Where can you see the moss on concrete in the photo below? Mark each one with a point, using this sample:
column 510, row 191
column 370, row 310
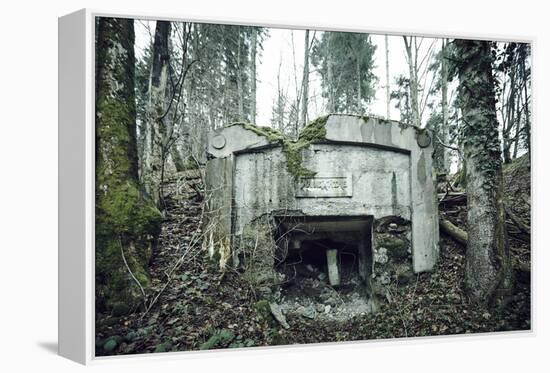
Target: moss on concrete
column 313, row 132
column 397, row 246
column 292, row 149
column 270, row 133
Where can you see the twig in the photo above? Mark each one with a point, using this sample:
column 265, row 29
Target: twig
column 131, row 273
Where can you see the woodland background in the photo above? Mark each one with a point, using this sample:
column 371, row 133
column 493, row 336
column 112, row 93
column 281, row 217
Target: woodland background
column 34, row 346
column 154, row 289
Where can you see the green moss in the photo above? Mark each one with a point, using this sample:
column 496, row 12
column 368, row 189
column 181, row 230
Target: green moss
column 314, row 131
column 163, row 347
column 397, row 247
column 120, row 308
column 275, row 338
column 123, row 217
column 218, row 340
column 263, row 310
column 111, row 343
column 292, row 149
column 270, row 133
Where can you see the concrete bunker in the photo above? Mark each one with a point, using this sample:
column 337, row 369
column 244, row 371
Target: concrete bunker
column 353, row 197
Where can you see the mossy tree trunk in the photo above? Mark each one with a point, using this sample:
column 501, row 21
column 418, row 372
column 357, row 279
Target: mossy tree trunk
column 487, row 275
column 126, row 224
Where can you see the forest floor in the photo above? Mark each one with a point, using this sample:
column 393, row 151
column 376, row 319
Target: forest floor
column 192, row 306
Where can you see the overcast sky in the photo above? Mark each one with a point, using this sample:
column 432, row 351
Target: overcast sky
column 278, row 51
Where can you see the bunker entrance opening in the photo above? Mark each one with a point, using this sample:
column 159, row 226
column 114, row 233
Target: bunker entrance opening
column 332, row 251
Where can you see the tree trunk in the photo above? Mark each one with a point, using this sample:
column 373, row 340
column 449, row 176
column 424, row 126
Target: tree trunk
column 330, row 76
column 239, row 77
column 387, row 77
column 518, row 126
column 157, row 111
column 358, row 77
column 444, row 132
column 253, row 52
column 413, row 81
column 126, row 224
column 176, row 158
column 510, row 106
column 305, row 79
column 527, row 128
column 487, row 276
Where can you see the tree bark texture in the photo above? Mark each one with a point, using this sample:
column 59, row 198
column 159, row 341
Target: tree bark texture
column 253, row 53
column 487, row 274
column 387, row 77
column 305, row 80
column 126, row 224
column 157, row 116
column 444, row 107
column 413, row 79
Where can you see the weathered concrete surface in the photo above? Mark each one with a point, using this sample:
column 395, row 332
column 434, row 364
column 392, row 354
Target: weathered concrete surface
column 380, row 181
column 365, row 167
column 425, row 228
column 234, row 138
column 219, row 181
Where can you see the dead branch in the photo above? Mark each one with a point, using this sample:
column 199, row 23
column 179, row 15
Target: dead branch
column 453, row 231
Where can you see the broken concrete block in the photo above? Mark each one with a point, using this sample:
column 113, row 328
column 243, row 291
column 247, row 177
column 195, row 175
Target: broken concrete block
column 278, row 315
column 333, row 269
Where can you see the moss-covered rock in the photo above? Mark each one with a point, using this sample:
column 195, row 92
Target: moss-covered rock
column 111, row 343
column 397, row 247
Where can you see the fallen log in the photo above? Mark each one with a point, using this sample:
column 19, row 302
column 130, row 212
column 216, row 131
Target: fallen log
column 453, row 231
column 522, row 271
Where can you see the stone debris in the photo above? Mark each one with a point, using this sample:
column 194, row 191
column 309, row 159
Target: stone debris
column 309, row 312
column 278, row 315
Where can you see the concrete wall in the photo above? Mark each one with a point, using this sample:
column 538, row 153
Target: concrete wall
column 394, row 135
column 380, row 183
column 372, row 167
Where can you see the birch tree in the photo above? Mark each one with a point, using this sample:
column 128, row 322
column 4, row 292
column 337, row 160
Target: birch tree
column 420, row 81
column 305, row 79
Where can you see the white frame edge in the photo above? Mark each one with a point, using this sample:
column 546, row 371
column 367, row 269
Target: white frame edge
column 76, row 187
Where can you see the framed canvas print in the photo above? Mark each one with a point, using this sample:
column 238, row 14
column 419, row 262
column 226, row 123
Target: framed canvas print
column 228, row 185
